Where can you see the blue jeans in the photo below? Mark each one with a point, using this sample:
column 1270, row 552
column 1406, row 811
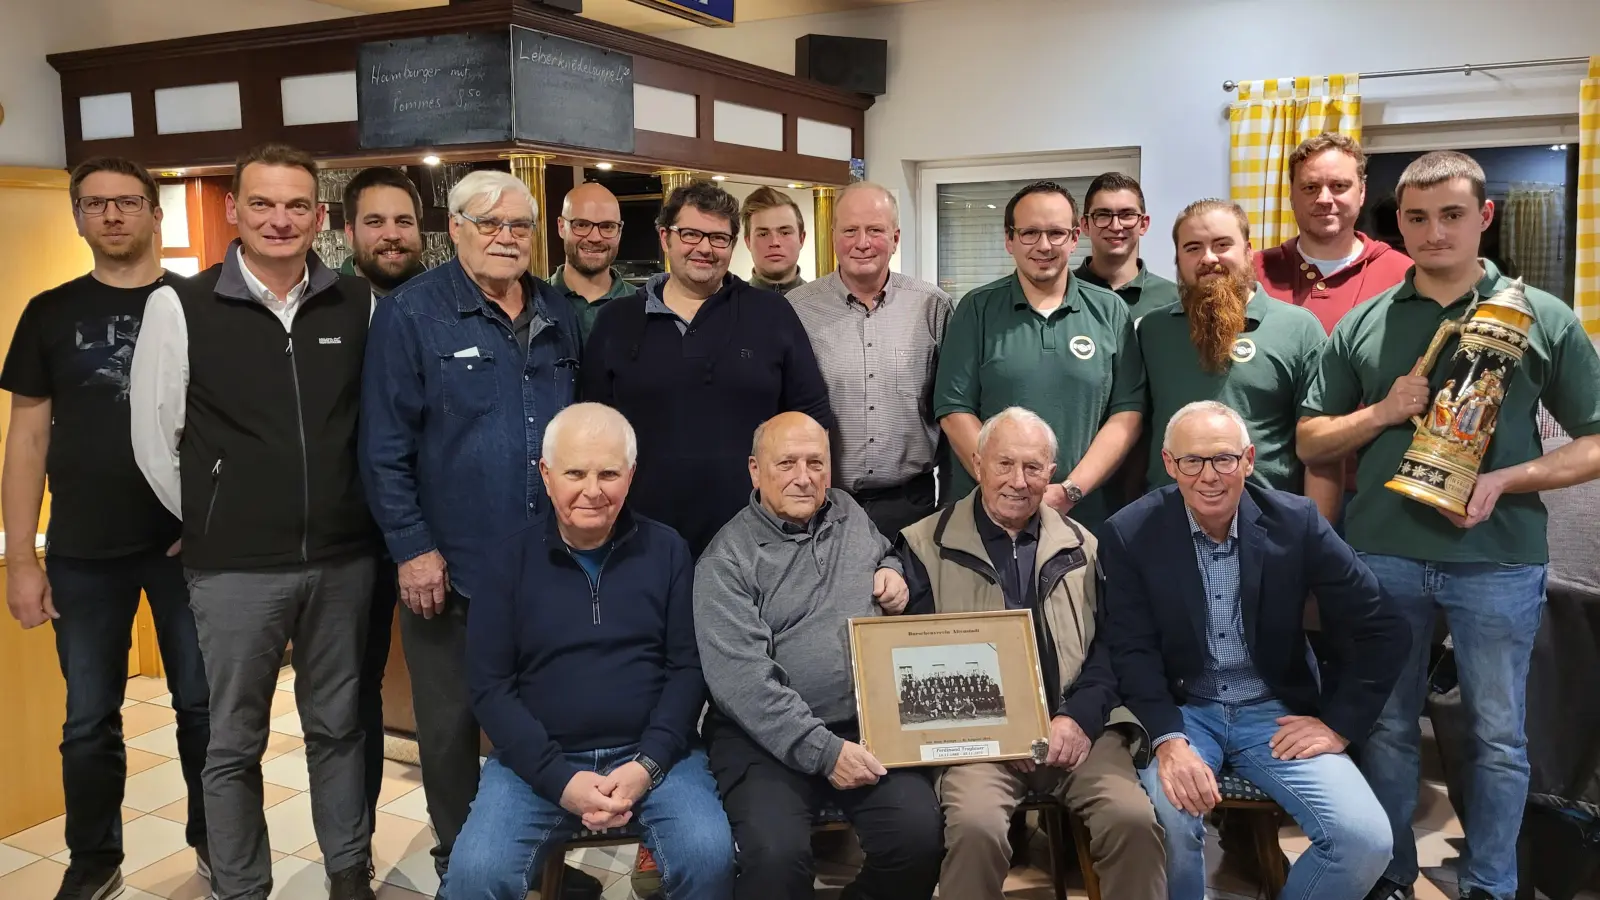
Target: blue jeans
column 1326, row 795
column 511, row 831
column 97, row 600
column 1493, row 611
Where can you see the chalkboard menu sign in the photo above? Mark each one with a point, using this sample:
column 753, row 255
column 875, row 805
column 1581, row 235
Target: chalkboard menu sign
column 571, row 93
column 431, row 91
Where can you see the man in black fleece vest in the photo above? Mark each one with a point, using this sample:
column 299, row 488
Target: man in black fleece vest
column 696, row 361
column 244, row 395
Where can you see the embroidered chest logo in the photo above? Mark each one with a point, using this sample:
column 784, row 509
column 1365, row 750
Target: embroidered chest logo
column 1082, row 346
column 1244, row 350
column 332, row 340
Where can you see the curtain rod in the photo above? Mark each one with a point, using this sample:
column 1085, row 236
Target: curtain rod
column 1464, row 69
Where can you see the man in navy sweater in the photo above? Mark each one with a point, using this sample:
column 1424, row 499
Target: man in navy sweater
column 600, row 597
column 696, row 361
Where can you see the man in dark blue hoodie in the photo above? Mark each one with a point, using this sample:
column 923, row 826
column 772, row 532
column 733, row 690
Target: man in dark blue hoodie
column 583, row 670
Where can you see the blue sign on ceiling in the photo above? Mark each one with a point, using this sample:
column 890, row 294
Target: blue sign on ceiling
column 719, row 11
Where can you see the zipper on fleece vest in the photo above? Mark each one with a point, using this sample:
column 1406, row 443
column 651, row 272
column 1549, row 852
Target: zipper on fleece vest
column 216, row 482
column 305, row 464
column 594, row 583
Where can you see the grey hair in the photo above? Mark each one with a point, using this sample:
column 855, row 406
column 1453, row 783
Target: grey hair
column 1206, row 406
column 483, row 188
column 591, row 419
column 894, row 205
column 1020, row 416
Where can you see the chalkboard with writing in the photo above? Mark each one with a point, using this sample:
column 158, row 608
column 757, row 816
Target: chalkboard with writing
column 571, row 93
column 431, row 91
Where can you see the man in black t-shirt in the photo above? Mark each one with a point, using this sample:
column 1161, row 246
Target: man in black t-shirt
column 110, row 537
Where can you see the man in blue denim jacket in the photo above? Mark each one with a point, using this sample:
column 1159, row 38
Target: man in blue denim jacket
column 465, row 367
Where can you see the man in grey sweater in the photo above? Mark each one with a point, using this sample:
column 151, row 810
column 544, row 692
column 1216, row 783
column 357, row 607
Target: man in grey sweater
column 772, row 595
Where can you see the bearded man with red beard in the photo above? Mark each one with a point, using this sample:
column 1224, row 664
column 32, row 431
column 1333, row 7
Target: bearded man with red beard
column 1227, row 340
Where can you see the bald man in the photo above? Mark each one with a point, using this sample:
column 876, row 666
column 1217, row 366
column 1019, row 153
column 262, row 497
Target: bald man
column 772, row 594
column 599, row 595
column 876, row 334
column 591, row 233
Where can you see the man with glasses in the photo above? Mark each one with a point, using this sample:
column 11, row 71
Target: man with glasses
column 244, row 395
column 1115, row 220
column 467, row 365
column 590, row 225
column 110, row 537
column 774, row 232
column 1046, row 341
column 876, row 334
column 696, row 361
column 1210, row 579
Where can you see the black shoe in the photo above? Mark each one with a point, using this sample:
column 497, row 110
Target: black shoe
column 576, row 884
column 1389, row 890
column 351, row 884
column 88, row 881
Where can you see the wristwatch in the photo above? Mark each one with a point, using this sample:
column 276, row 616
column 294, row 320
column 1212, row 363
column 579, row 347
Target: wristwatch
column 1074, row 493
column 657, row 775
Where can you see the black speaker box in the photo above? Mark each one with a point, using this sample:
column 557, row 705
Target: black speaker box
column 853, row 64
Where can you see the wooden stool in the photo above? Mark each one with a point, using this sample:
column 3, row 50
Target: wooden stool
column 1238, row 795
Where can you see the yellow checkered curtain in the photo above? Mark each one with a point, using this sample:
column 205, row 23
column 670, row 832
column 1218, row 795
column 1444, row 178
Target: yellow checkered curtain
column 1270, row 119
column 1586, row 299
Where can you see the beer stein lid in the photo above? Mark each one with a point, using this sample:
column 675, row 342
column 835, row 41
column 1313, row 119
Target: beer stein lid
column 1513, row 296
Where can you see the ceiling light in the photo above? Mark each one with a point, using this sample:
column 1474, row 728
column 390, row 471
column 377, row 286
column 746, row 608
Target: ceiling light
column 1558, row 147
column 719, row 178
column 430, row 160
column 170, row 173
column 992, row 206
column 795, row 187
column 604, row 167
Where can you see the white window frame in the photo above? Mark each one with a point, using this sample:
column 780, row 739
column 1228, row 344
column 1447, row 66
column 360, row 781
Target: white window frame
column 1521, row 131
column 1073, row 164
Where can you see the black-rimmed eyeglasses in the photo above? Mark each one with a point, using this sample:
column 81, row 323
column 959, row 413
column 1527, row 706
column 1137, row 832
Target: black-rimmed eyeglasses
column 720, row 240
column 584, row 227
column 1222, row 464
column 128, row 204
column 1056, row 236
column 1102, row 218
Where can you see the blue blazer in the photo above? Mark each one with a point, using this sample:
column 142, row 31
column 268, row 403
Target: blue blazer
column 1156, row 611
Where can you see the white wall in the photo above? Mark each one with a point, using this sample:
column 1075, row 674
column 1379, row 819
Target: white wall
column 986, row 77
column 30, row 90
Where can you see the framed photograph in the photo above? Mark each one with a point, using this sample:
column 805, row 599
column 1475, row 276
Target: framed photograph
column 948, row 689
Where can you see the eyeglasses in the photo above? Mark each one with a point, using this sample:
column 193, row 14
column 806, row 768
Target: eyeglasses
column 1222, row 464
column 520, row 228
column 1056, row 236
column 1102, row 218
column 720, row 240
column 583, row 227
column 128, row 204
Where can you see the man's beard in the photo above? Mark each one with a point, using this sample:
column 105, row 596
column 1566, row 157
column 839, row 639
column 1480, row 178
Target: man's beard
column 382, row 273
column 588, row 270
column 1215, row 308
column 132, row 250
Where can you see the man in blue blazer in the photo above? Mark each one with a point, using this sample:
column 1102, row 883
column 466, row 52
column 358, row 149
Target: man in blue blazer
column 1207, row 582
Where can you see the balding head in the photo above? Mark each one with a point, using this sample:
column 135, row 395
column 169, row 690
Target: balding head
column 587, row 465
column 789, row 466
column 587, row 213
column 866, row 233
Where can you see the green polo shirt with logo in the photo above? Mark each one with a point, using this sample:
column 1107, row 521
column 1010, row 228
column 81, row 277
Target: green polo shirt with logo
column 1146, row 293
column 1379, row 341
column 1271, row 367
column 586, row 310
column 1075, row 368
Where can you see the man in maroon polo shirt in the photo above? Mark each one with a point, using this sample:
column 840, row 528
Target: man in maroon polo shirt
column 1330, row 267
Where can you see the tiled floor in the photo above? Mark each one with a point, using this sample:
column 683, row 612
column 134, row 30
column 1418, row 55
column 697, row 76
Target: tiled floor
column 160, row 865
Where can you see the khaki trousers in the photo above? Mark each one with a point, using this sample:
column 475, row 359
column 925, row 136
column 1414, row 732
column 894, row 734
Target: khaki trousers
column 1104, row 792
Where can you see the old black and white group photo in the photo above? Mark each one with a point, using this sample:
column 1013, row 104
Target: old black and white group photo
column 950, row 687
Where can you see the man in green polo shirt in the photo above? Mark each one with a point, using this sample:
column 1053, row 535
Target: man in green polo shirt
column 591, row 233
column 1226, row 340
column 1486, row 569
column 1115, row 220
column 1044, row 340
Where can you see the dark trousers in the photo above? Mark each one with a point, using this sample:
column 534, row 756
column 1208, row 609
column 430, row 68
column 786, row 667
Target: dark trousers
column 97, row 600
column 447, row 733
column 895, row 508
column 385, row 594
column 771, row 808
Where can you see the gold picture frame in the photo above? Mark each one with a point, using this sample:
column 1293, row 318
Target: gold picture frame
column 948, row 689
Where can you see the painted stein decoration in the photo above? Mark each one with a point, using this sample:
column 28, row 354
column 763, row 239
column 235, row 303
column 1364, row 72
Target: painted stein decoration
column 1441, row 466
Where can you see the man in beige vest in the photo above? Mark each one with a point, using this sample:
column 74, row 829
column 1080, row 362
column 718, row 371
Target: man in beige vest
column 995, row 549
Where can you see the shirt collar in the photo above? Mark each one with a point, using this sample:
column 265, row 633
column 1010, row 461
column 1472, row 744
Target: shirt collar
column 1069, row 297
column 1088, row 274
column 1194, row 527
column 619, row 285
column 263, row 294
column 989, row 531
column 781, row 287
column 1487, row 285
